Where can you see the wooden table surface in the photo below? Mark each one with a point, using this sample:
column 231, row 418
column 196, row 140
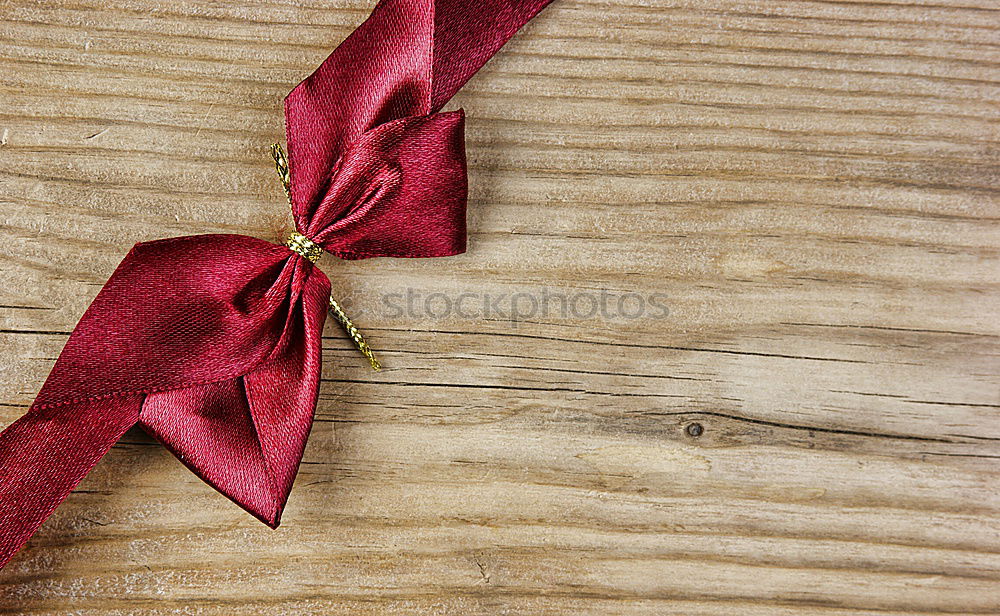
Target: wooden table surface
column 729, row 337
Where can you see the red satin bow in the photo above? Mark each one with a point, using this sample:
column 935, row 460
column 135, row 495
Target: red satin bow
column 212, row 343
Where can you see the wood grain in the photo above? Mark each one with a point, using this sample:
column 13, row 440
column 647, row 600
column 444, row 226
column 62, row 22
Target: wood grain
column 810, row 186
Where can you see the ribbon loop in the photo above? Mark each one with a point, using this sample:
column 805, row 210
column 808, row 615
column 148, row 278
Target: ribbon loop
column 399, row 190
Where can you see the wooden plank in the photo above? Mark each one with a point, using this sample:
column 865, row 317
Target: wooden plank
column 802, row 418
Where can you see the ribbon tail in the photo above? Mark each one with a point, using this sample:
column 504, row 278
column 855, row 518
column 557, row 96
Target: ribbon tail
column 47, row 452
column 467, row 34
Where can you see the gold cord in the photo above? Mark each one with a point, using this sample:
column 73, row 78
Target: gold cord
column 281, row 166
column 312, row 251
column 304, row 246
column 352, row 331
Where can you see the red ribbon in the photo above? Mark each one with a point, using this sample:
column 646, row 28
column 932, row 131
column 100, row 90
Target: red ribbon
column 212, row 342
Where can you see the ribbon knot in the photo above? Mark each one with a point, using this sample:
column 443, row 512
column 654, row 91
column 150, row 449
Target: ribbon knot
column 311, row 251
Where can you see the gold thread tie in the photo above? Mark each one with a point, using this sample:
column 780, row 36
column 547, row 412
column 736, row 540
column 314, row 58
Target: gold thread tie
column 352, row 331
column 281, row 166
column 303, row 246
column 312, row 251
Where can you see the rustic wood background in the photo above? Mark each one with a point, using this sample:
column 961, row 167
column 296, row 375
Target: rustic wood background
column 811, row 187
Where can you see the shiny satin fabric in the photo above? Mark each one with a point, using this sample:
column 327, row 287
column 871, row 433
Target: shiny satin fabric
column 212, row 343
